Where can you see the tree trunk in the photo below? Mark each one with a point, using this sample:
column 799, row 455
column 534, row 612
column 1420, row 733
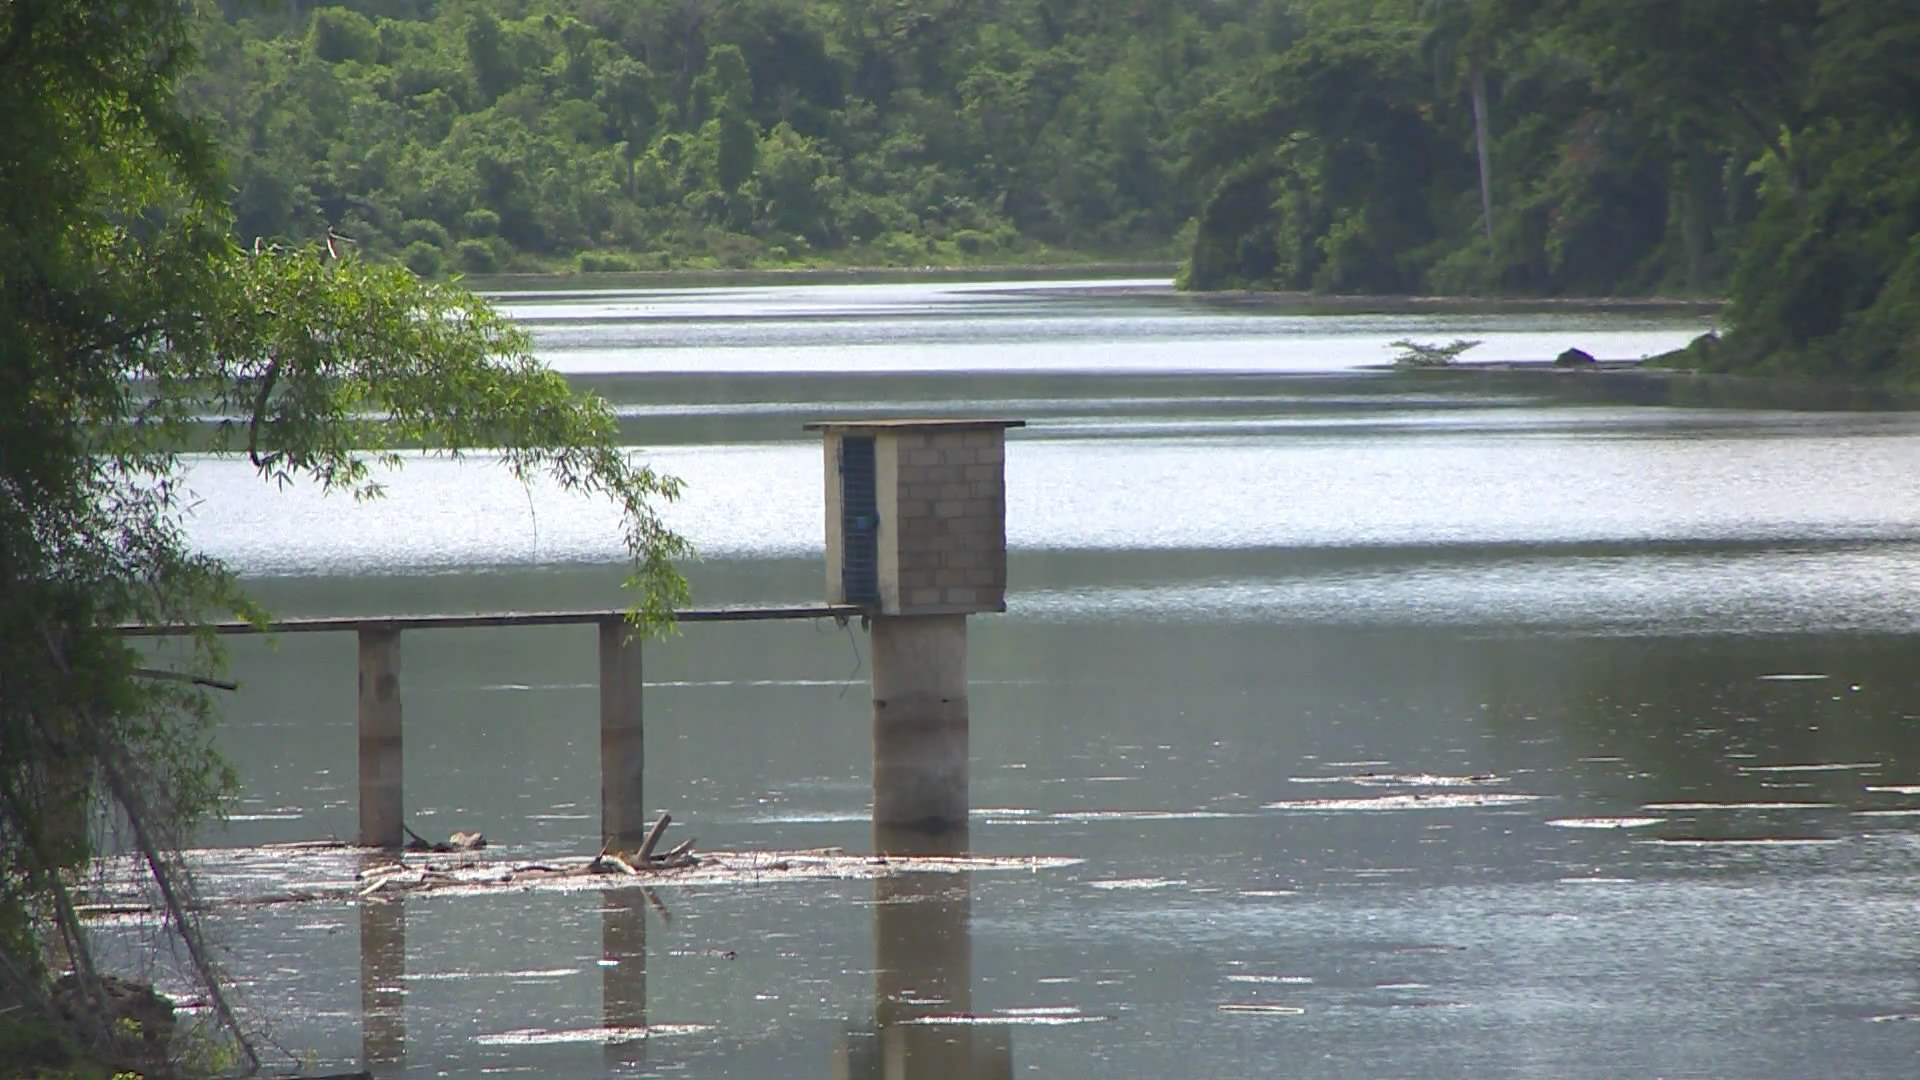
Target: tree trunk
column 1700, row 194
column 1478, row 79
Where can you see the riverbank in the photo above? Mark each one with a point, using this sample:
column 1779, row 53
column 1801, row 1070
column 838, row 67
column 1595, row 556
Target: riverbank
column 1323, row 303
column 561, row 282
column 1652, row 382
column 1119, row 279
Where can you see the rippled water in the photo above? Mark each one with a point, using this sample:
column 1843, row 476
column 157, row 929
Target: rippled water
column 1386, row 725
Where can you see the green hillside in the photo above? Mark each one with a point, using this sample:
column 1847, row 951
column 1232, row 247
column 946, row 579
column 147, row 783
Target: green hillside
column 1759, row 149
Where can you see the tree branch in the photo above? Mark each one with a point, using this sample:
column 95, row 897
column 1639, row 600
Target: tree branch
column 181, row 676
column 267, row 380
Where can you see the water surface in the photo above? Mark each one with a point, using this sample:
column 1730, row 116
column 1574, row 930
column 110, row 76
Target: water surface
column 1399, row 726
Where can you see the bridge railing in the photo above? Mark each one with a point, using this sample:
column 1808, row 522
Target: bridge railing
column 622, row 727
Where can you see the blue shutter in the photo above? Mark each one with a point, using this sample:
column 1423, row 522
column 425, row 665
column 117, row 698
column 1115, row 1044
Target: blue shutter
column 859, row 522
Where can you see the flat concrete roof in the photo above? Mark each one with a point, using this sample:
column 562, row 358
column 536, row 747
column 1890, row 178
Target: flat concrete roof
column 944, row 423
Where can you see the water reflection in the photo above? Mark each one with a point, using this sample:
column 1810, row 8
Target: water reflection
column 922, row 973
column 1710, row 872
column 623, row 975
column 383, row 991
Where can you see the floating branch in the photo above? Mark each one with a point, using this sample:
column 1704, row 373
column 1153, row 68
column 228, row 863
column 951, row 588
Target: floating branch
column 181, row 676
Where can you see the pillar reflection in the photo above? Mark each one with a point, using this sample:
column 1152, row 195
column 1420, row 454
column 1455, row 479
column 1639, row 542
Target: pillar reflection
column 923, row 971
column 623, row 975
column 383, row 990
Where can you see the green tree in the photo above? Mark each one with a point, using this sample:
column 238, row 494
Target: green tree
column 626, row 94
column 1333, row 137
column 725, row 92
column 128, row 313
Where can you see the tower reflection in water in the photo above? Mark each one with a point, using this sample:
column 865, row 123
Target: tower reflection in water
column 923, row 973
column 383, row 990
column 922, row 1026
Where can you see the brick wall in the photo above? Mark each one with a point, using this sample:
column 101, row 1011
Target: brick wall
column 951, row 521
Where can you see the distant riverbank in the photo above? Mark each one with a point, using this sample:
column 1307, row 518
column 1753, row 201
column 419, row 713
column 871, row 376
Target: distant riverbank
column 1318, row 303
column 499, row 284
column 1108, row 279
column 1650, row 382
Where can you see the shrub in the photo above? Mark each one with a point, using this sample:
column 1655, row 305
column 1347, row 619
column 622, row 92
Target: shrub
column 477, row 257
column 423, row 258
column 423, row 231
column 480, row 222
column 598, row 263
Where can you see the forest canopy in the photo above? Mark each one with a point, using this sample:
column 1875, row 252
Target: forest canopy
column 1761, row 150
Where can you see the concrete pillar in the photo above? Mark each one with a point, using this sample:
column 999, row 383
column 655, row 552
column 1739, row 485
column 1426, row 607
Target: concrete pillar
column 380, row 759
column 383, row 989
column 623, row 751
column 920, row 721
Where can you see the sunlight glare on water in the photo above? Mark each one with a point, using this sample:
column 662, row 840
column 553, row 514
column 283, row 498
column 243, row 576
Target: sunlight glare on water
column 1342, row 723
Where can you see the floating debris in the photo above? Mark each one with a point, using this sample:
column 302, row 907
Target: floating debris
column 459, row 841
column 1755, row 841
column 1816, row 766
column 1143, row 815
column 1137, row 883
column 605, row 1035
column 1426, row 780
column 1416, row 801
column 1372, row 779
column 1671, row 806
column 1605, row 822
column 1036, row 1017
column 447, row 976
column 404, row 874
column 1263, row 1008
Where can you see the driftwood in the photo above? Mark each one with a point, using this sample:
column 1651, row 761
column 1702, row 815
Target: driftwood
column 180, row 676
column 610, row 861
column 459, row 841
column 653, row 837
column 400, row 877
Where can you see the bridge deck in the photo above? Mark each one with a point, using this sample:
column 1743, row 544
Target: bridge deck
column 323, row 623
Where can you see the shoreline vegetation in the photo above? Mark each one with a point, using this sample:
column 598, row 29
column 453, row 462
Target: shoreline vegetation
column 1104, row 278
column 1521, row 152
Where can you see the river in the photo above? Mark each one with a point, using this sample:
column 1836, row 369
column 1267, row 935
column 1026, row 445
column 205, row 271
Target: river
column 1384, row 724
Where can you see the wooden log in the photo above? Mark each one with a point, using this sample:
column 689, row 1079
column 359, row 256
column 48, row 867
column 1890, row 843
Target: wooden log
column 183, row 677
column 653, row 837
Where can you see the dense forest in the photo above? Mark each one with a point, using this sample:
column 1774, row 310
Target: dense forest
column 1763, row 150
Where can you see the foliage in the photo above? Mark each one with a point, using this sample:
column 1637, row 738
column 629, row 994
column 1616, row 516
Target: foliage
column 1415, row 354
column 1751, row 148
column 1764, row 148
column 127, row 315
column 833, row 130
